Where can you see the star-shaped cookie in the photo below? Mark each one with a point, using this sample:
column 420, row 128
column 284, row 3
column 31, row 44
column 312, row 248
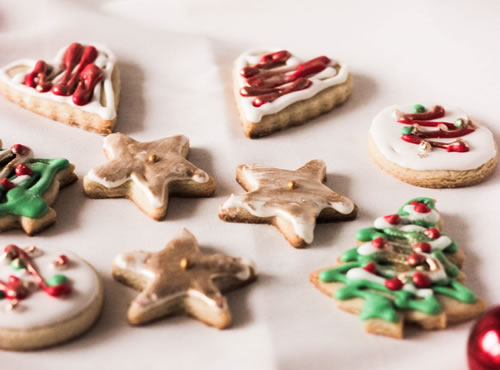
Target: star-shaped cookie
column 147, row 172
column 290, row 200
column 181, row 279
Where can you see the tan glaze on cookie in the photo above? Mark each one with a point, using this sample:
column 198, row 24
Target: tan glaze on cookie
column 180, row 278
column 151, row 166
column 297, row 196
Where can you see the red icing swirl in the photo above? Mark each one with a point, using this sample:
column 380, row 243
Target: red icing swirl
column 445, row 130
column 267, row 85
column 79, row 78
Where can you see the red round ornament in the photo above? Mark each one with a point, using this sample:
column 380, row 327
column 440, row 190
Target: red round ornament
column 394, row 284
column 432, row 233
column 423, row 247
column 416, row 259
column 20, row 149
column 393, row 219
column 420, row 207
column 371, row 268
column 22, row 169
column 378, row 243
column 421, row 280
column 483, row 347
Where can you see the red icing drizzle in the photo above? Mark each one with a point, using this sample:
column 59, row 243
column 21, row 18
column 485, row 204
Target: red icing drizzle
column 14, row 289
column 79, row 78
column 267, row 85
column 445, row 130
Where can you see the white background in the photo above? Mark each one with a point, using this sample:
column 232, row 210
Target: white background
column 175, row 59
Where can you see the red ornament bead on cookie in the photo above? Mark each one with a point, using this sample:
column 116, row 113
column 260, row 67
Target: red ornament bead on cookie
column 423, row 247
column 394, row 284
column 23, row 169
column 416, row 259
column 371, row 268
column 420, row 207
column 483, row 348
column 393, row 219
column 20, row 149
column 432, row 233
column 378, row 243
column 6, row 184
column 421, row 280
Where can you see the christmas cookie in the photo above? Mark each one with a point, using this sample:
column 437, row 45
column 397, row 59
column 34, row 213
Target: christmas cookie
column 275, row 90
column 289, row 200
column 46, row 297
column 147, row 172
column 81, row 87
column 432, row 146
column 181, row 279
column 28, row 187
column 404, row 269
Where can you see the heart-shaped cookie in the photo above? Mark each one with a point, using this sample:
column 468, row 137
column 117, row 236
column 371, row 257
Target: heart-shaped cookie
column 80, row 87
column 275, row 90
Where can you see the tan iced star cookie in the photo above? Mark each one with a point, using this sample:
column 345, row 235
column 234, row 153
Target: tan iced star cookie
column 290, row 200
column 147, row 172
column 181, row 279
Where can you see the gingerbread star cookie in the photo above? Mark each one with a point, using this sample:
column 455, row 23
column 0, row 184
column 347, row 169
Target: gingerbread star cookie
column 28, row 187
column 404, row 269
column 81, row 87
column 181, row 279
column 46, row 297
column 432, row 146
column 289, row 200
column 275, row 90
column 147, row 172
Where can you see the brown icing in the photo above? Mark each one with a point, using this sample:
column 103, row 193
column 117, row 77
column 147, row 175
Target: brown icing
column 152, row 165
column 180, row 271
column 298, row 195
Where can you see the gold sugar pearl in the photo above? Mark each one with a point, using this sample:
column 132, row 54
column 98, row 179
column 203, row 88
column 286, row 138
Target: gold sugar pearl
column 292, row 184
column 153, row 158
column 184, row 263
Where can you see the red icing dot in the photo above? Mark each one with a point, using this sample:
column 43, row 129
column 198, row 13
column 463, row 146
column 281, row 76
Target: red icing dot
column 371, row 268
column 378, row 243
column 22, row 169
column 393, row 219
column 416, row 259
column 58, row 290
column 457, row 147
column 13, row 279
column 432, row 233
column 423, row 247
column 420, row 207
column 6, row 184
column 421, row 280
column 20, row 149
column 394, row 284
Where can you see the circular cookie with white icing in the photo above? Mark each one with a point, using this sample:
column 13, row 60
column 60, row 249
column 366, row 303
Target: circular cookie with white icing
column 46, row 297
column 432, row 146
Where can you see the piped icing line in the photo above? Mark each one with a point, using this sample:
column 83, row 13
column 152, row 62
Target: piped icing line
column 24, row 180
column 97, row 74
column 395, row 134
column 270, row 196
column 418, row 261
column 47, row 297
column 316, row 82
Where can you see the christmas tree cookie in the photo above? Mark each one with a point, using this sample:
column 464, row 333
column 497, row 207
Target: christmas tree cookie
column 46, row 297
column 432, row 146
column 28, row 187
column 81, row 87
column 275, row 90
column 181, row 279
column 404, row 269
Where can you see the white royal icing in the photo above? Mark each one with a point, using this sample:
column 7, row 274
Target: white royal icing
column 105, row 60
column 431, row 217
column 322, row 80
column 39, row 309
column 385, row 132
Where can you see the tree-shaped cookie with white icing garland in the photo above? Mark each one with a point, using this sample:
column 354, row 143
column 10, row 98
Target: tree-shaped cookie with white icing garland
column 292, row 201
column 404, row 269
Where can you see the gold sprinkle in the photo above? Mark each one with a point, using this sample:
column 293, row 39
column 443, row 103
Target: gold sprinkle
column 184, row 263
column 292, row 184
column 153, row 158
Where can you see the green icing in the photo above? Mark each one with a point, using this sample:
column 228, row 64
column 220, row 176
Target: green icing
column 419, row 108
column 26, row 199
column 57, row 279
column 17, row 264
column 381, row 302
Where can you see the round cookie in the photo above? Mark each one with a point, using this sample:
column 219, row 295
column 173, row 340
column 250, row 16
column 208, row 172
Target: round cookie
column 46, row 297
column 432, row 146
